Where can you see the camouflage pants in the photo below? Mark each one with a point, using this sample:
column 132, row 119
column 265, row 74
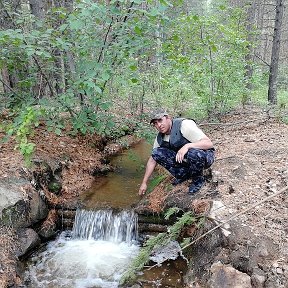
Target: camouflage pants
column 195, row 161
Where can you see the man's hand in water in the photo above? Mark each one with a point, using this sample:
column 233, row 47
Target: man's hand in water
column 142, row 189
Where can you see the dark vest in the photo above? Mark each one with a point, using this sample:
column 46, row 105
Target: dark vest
column 177, row 140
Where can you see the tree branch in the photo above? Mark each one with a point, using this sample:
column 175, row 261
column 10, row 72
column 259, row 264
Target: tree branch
column 6, row 85
column 235, row 216
column 262, row 60
column 105, row 41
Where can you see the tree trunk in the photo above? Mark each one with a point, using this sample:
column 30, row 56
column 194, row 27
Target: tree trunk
column 64, row 62
column 249, row 56
column 9, row 78
column 37, row 8
column 273, row 72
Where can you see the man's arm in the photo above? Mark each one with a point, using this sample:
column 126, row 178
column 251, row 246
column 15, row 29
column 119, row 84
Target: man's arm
column 150, row 166
column 204, row 143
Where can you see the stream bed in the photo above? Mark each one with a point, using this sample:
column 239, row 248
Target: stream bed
column 119, row 189
column 102, row 244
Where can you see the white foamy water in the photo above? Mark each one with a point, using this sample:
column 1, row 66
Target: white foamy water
column 82, row 263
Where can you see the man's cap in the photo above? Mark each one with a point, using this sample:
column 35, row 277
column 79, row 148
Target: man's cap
column 158, row 115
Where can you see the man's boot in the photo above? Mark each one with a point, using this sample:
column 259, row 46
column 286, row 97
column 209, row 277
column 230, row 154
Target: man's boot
column 197, row 184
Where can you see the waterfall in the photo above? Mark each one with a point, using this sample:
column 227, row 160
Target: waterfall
column 95, row 253
column 106, row 225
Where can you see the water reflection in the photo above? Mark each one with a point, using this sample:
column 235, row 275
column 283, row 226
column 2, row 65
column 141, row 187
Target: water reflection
column 119, row 189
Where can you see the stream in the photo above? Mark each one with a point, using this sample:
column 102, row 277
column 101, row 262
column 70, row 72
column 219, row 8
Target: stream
column 119, row 189
column 95, row 254
column 102, row 243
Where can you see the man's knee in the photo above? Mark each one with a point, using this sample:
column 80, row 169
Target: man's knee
column 196, row 155
column 161, row 152
column 163, row 156
column 197, row 160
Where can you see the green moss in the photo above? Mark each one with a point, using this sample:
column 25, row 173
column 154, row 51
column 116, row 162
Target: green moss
column 55, row 187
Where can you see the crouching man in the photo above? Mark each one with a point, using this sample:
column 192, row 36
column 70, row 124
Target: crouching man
column 182, row 148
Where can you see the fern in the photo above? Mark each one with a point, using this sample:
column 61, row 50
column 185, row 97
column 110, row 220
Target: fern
column 143, row 257
column 170, row 212
column 186, row 219
column 155, row 182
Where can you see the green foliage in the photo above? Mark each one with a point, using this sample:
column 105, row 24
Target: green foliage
column 170, row 212
column 142, row 258
column 155, row 242
column 186, row 219
column 22, row 128
column 210, row 52
column 199, row 65
column 98, row 60
column 155, row 182
column 102, row 41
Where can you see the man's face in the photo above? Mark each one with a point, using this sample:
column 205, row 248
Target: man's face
column 163, row 125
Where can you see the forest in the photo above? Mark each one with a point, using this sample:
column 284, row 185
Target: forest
column 102, row 66
column 77, row 75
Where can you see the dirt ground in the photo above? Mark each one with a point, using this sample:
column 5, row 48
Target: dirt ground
column 251, row 164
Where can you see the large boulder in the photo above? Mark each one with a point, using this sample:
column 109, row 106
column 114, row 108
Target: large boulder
column 28, row 239
column 20, row 205
column 225, row 276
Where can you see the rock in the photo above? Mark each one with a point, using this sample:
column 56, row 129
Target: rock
column 11, row 195
column 225, row 276
column 263, row 250
column 285, row 268
column 202, row 253
column 48, row 228
column 38, row 208
column 219, row 213
column 20, row 204
column 28, row 239
column 170, row 251
column 258, row 278
column 201, row 206
column 55, row 187
column 136, row 286
column 8, row 262
column 241, row 262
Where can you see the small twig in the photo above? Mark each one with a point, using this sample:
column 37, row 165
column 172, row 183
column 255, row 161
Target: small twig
column 231, row 124
column 224, row 158
column 266, row 63
column 105, row 41
column 236, row 215
column 151, row 267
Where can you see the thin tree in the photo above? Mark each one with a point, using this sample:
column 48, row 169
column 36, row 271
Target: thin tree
column 273, row 71
column 250, row 20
